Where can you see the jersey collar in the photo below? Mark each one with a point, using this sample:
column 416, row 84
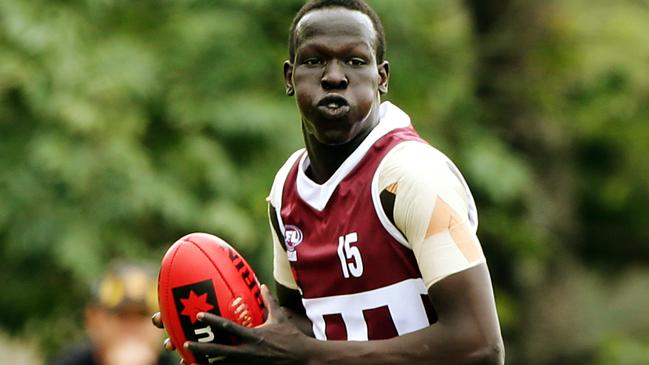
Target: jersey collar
column 318, row 195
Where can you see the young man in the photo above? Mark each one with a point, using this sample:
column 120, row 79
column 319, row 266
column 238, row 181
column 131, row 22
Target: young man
column 374, row 230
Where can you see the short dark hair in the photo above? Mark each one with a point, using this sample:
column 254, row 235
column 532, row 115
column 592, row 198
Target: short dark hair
column 358, row 5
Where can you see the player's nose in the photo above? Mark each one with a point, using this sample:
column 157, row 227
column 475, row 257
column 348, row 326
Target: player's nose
column 333, row 77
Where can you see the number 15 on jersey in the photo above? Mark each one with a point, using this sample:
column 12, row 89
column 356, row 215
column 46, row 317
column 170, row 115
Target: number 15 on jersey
column 350, row 256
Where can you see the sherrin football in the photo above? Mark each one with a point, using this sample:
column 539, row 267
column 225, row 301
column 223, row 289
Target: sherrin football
column 202, row 273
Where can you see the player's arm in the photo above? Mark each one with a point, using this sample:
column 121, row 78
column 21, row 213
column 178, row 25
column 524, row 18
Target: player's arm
column 290, row 301
column 288, row 296
column 466, row 331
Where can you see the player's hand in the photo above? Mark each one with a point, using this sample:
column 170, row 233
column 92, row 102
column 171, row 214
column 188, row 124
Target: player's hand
column 157, row 321
column 276, row 341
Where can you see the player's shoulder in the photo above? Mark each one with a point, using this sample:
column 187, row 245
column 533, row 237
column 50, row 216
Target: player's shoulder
column 420, row 161
column 280, row 177
column 290, row 161
column 415, row 170
column 419, row 149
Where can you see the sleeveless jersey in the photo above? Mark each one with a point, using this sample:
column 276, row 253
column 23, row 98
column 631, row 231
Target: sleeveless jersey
column 357, row 281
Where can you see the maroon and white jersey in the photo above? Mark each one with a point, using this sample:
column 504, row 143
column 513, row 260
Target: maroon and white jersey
column 360, row 277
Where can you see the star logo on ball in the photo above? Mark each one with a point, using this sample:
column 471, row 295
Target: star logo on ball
column 195, row 304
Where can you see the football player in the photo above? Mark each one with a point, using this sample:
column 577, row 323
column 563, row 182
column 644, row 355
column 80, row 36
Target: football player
column 376, row 258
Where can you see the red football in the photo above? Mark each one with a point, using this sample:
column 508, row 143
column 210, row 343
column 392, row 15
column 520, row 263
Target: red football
column 202, row 273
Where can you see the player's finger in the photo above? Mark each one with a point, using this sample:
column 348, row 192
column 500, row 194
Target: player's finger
column 168, row 345
column 157, row 320
column 269, row 302
column 218, row 360
column 213, row 350
column 227, row 326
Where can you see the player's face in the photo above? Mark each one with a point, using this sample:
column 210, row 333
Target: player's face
column 335, row 75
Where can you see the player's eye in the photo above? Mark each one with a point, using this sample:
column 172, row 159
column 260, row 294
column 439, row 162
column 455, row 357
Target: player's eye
column 312, row 61
column 356, row 61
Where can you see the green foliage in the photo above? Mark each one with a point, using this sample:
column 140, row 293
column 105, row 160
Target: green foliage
column 124, row 125
column 627, row 351
column 581, row 310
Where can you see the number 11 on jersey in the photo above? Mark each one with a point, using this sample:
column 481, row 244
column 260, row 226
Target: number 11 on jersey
column 348, row 252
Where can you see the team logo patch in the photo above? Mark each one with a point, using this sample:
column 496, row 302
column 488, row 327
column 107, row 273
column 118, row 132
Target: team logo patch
column 192, row 299
column 292, row 238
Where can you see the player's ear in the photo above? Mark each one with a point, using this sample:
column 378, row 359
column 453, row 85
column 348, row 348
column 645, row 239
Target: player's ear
column 288, row 78
column 384, row 76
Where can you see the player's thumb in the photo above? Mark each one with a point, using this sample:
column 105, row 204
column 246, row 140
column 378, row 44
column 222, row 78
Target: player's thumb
column 272, row 308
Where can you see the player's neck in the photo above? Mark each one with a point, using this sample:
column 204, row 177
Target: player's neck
column 326, row 159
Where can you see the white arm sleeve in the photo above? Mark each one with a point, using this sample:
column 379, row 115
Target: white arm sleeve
column 433, row 209
column 281, row 267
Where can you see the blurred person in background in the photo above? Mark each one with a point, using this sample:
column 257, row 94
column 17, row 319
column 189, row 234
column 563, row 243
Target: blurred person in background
column 118, row 323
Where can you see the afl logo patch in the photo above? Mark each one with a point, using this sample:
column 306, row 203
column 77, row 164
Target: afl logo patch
column 292, row 237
